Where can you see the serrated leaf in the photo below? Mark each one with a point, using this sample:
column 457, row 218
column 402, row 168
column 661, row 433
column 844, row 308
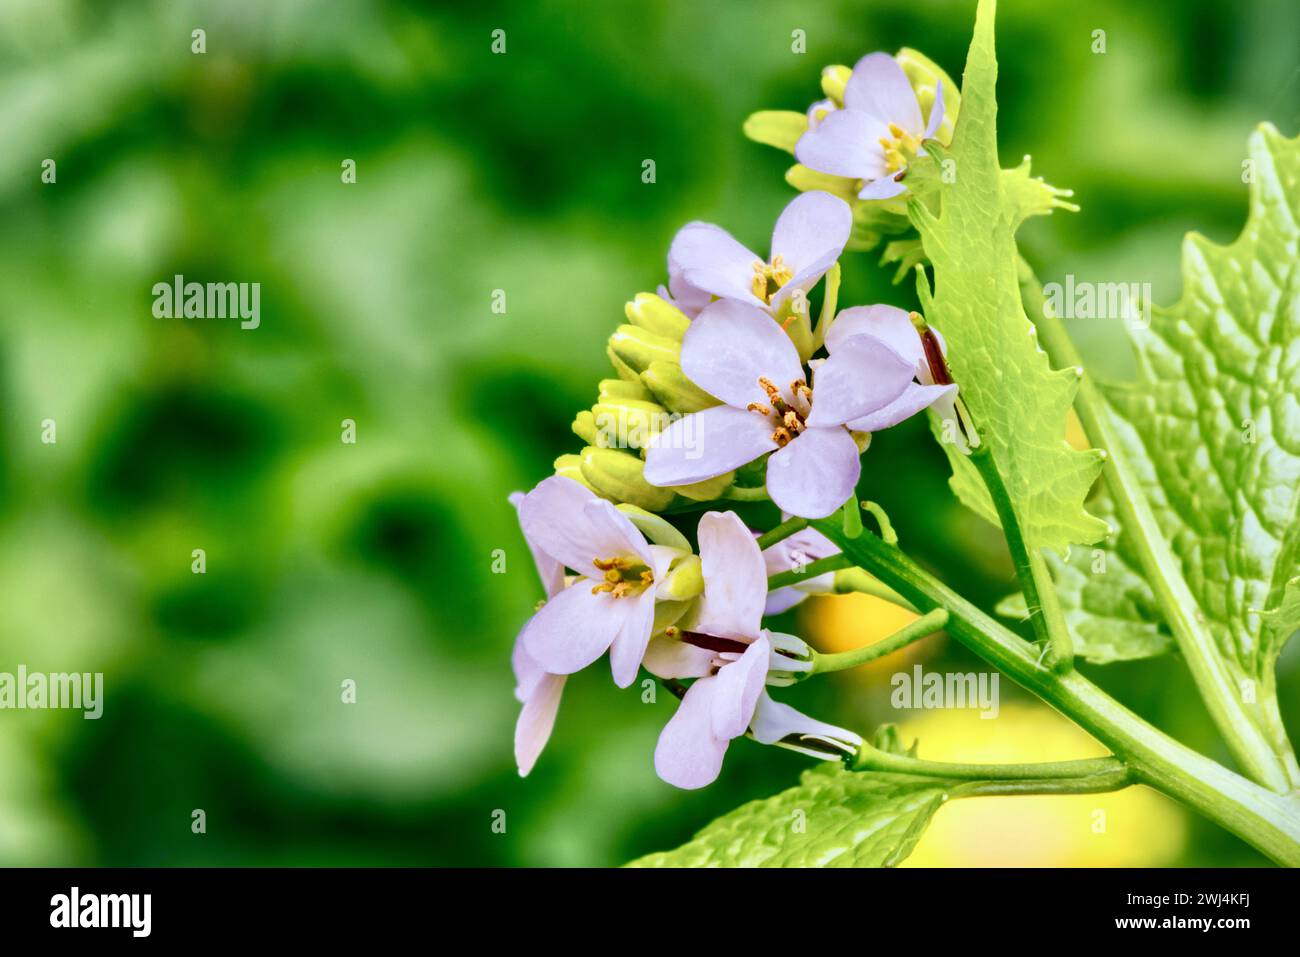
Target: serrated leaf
column 1109, row 608
column 1212, row 426
column 833, row 818
column 1018, row 401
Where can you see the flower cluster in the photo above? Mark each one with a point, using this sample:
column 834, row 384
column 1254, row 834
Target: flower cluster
column 727, row 390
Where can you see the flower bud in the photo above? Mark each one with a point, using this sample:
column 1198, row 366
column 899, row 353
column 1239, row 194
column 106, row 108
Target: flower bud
column 570, row 467
column 834, row 79
column 685, row 580
column 669, row 384
column 623, row 389
column 635, row 348
column 779, row 128
column 620, row 476
column 658, row 530
column 708, row 490
column 627, row 423
column 584, row 427
column 648, row 311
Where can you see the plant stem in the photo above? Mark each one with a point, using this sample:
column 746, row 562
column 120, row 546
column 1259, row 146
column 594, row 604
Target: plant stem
column 924, row 626
column 782, row 532
column 797, row 576
column 1045, row 615
column 1268, row 821
column 873, row 759
column 1249, row 745
column 856, row 580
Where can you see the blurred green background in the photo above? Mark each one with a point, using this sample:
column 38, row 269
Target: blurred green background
column 372, row 562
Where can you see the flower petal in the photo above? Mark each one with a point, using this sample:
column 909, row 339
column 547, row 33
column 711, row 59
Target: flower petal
column 730, row 346
column 574, row 628
column 550, row 571
column 528, row 670
column 886, row 187
column 815, row 474
column 936, row 111
column 673, row 658
column 735, row 578
column 844, row 143
column 819, row 111
column 913, row 400
column 628, row 647
column 783, row 599
column 862, row 375
column 889, row 324
column 738, row 687
column 711, row 260
column 704, row 444
column 536, row 719
column 688, row 754
column 569, row 523
column 812, row 226
column 774, row 721
column 879, row 87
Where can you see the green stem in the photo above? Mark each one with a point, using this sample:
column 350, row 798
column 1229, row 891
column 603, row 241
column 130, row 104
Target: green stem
column 1045, row 615
column 1089, row 784
column 1269, row 821
column 1249, row 744
column 740, row 493
column 797, row 576
column 782, row 532
column 873, row 759
column 924, row 626
column 856, row 580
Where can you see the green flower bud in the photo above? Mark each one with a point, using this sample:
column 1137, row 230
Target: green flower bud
column 625, row 371
column 779, row 128
column 623, row 389
column 834, row 79
column 708, row 490
column 684, row 581
column 804, row 179
column 584, row 427
column 627, row 423
column 923, row 73
column 636, row 348
column 648, row 311
column 570, row 467
column 658, row 530
column 668, row 613
column 669, row 384
column 620, row 476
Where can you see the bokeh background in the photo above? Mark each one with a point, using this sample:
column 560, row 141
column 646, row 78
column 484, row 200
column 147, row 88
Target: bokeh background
column 373, row 562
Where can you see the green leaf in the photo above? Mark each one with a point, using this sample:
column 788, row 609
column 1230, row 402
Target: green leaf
column 1109, row 608
column 1212, row 426
column 1018, row 401
column 833, row 818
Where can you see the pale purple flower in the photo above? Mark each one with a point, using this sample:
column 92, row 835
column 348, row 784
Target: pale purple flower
column 731, row 659
column 610, row 605
column 804, row 546
column 736, row 353
column 819, row 111
column 537, row 690
column 892, row 325
column 876, row 132
column 807, row 240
